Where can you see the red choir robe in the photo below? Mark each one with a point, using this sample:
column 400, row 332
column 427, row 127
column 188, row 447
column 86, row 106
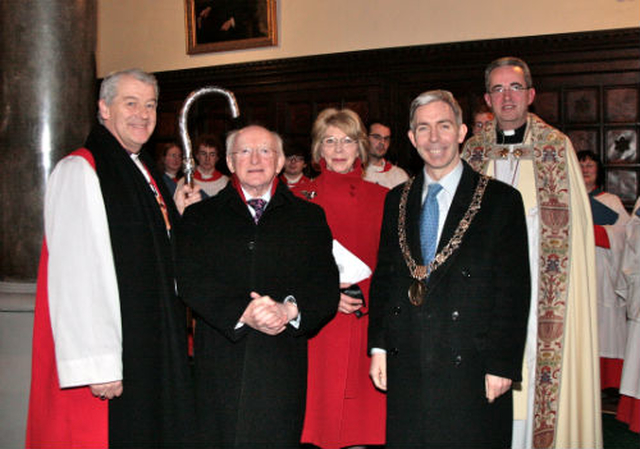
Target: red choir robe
column 609, row 219
column 628, row 288
column 295, row 186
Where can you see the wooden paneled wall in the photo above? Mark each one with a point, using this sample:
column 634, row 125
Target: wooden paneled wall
column 587, row 85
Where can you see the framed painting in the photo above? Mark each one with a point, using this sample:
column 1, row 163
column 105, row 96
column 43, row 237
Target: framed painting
column 222, row 25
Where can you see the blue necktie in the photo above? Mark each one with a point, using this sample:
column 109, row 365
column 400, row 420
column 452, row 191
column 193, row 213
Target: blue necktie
column 429, row 224
column 258, row 205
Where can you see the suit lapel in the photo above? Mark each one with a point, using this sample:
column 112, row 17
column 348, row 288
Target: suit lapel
column 461, row 201
column 281, row 195
column 235, row 202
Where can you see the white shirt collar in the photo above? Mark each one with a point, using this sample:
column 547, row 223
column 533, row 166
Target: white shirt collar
column 449, row 182
column 266, row 196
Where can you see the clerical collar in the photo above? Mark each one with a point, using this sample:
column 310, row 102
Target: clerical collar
column 510, row 136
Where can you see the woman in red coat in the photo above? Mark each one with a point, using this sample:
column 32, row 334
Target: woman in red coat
column 343, row 407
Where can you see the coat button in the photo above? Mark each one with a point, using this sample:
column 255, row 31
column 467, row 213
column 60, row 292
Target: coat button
column 465, row 272
column 458, row 360
column 394, row 351
column 397, row 310
column 251, row 245
column 455, row 315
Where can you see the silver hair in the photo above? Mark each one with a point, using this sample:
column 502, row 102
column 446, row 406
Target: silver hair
column 432, row 96
column 507, row 61
column 233, row 135
column 109, row 86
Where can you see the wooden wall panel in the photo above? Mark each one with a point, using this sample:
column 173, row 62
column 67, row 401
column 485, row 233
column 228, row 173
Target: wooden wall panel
column 587, row 85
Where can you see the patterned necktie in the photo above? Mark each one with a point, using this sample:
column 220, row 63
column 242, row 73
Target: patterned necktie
column 429, row 224
column 258, row 205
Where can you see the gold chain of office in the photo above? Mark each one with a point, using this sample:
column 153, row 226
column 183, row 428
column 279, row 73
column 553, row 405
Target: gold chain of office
column 421, row 272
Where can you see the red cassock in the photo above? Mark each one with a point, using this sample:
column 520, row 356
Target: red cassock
column 343, row 406
column 629, row 412
column 61, row 418
column 72, row 417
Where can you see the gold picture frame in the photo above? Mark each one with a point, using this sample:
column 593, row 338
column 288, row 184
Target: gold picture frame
column 222, row 25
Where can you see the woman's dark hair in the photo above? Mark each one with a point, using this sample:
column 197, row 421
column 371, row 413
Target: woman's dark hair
column 165, row 147
column 590, row 155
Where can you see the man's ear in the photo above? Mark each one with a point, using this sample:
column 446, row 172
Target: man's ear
column 232, row 169
column 104, row 110
column 412, row 137
column 532, row 95
column 462, row 132
column 280, row 163
column 487, row 99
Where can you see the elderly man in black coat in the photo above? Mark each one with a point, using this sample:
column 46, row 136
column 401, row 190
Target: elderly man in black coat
column 257, row 269
column 450, row 294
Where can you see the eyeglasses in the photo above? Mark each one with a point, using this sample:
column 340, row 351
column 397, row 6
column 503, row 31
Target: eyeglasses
column 380, row 138
column 295, row 158
column 513, row 88
column 246, row 153
column 333, row 142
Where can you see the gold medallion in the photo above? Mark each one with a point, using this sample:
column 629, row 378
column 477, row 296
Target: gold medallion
column 417, row 292
column 420, row 273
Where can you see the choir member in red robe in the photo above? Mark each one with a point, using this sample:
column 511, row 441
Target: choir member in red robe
column 609, row 222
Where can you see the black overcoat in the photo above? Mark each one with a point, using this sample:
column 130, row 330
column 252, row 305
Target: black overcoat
column 472, row 322
column 250, row 387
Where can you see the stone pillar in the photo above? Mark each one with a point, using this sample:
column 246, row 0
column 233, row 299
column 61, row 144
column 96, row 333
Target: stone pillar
column 47, row 106
column 47, row 102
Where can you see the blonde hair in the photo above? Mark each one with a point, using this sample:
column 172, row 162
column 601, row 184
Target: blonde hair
column 345, row 120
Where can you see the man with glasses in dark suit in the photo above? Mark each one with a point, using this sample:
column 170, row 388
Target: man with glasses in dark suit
column 256, row 267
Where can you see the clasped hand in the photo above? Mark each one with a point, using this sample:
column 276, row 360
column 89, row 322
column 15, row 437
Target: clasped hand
column 266, row 315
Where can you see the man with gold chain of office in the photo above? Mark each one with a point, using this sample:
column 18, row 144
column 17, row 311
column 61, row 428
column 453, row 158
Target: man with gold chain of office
column 559, row 403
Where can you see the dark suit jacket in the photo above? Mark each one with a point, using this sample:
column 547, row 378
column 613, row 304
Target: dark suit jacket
column 472, row 322
column 251, row 386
